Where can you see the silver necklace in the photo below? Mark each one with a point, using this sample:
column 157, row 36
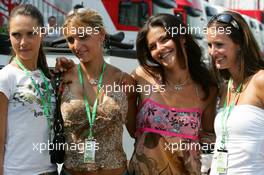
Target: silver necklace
column 179, row 87
column 93, row 81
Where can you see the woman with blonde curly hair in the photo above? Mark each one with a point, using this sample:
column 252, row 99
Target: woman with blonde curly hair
column 93, row 115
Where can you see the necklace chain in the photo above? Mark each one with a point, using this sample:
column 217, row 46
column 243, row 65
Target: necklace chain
column 93, row 81
column 179, row 87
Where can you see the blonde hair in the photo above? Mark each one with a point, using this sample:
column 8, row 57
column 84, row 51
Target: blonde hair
column 83, row 18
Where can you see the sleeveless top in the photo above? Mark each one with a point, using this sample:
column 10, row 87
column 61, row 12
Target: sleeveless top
column 167, row 140
column 108, row 131
column 245, row 143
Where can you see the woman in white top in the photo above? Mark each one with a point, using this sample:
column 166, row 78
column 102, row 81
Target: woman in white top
column 27, row 99
column 239, row 125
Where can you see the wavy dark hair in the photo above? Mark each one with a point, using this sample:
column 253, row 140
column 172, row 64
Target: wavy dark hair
column 249, row 55
column 33, row 12
column 197, row 68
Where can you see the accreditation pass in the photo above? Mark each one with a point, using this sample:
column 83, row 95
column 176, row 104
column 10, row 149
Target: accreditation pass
column 221, row 162
column 89, row 151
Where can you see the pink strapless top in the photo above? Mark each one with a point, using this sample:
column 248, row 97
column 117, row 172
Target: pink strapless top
column 168, row 121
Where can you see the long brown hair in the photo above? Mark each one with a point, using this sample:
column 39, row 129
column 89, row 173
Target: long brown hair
column 33, row 12
column 198, row 71
column 249, row 55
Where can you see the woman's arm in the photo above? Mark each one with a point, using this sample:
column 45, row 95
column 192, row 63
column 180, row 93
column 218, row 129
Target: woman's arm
column 3, row 123
column 207, row 134
column 210, row 111
column 129, row 82
column 259, row 84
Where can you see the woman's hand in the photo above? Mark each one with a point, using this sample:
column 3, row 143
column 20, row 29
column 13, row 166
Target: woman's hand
column 63, row 64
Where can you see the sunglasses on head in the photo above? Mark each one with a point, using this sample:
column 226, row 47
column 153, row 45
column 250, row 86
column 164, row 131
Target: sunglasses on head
column 76, row 11
column 225, row 18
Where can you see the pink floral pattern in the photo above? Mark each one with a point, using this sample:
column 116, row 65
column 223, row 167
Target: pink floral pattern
column 158, row 128
column 183, row 123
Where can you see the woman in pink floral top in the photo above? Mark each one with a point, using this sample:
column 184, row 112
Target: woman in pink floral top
column 180, row 105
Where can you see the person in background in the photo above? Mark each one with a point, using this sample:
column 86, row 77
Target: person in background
column 27, row 99
column 239, row 125
column 52, row 21
column 78, row 6
column 52, row 28
column 93, row 110
column 171, row 119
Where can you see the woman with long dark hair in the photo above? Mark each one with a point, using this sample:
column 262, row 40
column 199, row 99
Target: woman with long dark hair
column 171, row 118
column 239, row 125
column 27, row 99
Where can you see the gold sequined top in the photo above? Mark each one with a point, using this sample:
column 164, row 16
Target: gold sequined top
column 108, row 131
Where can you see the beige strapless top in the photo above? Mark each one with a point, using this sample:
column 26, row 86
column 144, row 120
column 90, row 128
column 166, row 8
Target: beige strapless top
column 108, row 131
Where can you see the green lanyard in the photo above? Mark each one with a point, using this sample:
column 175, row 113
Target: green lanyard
column 45, row 102
column 90, row 118
column 227, row 111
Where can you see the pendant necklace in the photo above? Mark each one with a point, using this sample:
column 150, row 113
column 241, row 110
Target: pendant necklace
column 179, row 87
column 93, row 81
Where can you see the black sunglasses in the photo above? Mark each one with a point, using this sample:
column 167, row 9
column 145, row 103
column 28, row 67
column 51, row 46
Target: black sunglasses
column 225, row 18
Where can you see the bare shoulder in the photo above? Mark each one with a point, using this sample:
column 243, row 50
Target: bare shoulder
column 142, row 77
column 258, row 83
column 118, row 75
column 258, row 79
column 123, row 78
column 138, row 72
column 128, row 79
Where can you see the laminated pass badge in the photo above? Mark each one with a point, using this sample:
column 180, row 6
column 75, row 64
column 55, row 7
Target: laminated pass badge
column 222, row 161
column 89, row 151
